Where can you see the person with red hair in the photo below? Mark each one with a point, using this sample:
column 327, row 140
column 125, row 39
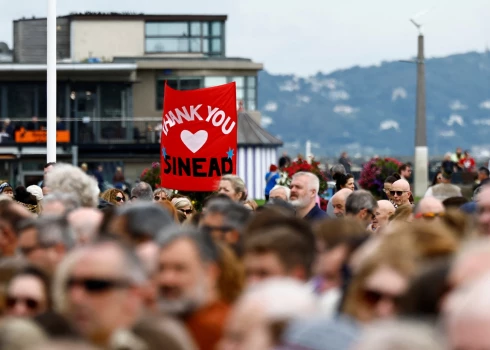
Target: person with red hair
column 271, row 180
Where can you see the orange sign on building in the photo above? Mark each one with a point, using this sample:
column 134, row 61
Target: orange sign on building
column 40, row 136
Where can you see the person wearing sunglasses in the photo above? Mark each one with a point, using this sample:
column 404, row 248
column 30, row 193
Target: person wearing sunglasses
column 378, row 286
column 400, row 192
column 160, row 195
column 184, row 204
column 102, row 286
column 114, row 196
column 27, row 293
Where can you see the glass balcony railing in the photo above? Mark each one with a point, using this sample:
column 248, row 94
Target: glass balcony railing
column 84, row 130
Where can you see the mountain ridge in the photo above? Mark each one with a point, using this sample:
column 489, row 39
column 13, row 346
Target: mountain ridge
column 371, row 110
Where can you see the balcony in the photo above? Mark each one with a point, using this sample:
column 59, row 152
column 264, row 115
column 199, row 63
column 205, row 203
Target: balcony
column 84, row 131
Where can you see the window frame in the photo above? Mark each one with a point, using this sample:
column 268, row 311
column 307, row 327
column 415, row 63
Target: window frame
column 208, row 38
column 247, row 87
column 162, row 79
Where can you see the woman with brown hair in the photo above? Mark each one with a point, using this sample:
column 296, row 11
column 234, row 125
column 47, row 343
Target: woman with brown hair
column 114, row 196
column 379, row 285
column 170, row 208
column 232, row 274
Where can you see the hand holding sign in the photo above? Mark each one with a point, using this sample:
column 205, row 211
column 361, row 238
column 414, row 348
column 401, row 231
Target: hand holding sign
column 199, row 137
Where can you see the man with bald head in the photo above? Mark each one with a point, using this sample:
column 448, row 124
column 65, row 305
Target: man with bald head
column 400, row 192
column 382, row 214
column 429, row 207
column 338, row 201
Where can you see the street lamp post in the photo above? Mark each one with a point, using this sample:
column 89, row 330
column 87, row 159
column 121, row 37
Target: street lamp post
column 421, row 150
column 51, row 82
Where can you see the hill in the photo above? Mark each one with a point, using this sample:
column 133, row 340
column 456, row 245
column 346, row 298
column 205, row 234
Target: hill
column 371, row 110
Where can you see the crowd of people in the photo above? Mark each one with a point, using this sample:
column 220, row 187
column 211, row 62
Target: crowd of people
column 81, row 269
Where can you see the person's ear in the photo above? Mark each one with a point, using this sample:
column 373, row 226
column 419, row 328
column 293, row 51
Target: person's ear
column 362, row 214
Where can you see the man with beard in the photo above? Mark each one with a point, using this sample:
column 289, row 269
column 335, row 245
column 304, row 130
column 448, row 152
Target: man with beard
column 187, row 280
column 103, row 290
column 304, row 189
column 338, row 201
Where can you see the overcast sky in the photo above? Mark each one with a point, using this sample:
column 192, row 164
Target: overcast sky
column 307, row 36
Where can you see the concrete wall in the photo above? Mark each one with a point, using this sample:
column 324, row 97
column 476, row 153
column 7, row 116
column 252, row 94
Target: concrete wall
column 144, row 95
column 106, row 39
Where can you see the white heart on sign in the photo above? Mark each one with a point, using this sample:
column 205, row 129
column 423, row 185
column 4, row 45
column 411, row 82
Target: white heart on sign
column 194, row 142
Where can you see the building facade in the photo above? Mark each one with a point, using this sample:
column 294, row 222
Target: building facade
column 111, row 72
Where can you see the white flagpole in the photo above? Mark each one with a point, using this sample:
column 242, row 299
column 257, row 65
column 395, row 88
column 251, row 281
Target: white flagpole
column 51, row 82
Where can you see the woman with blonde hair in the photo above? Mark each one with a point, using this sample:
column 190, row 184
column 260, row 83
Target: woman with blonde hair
column 114, row 196
column 234, row 187
column 160, row 194
column 184, row 205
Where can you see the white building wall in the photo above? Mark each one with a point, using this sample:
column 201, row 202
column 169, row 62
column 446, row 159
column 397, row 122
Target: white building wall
column 253, row 164
column 106, row 39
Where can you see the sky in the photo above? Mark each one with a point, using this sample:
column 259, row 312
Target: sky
column 308, row 36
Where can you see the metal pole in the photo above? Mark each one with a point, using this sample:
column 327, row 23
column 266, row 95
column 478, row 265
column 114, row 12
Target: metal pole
column 421, row 150
column 51, row 82
column 74, row 155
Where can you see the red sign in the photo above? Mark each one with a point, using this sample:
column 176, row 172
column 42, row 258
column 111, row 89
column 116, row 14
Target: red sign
column 199, row 137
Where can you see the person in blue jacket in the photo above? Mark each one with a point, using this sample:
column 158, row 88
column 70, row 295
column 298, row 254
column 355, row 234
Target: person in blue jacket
column 271, row 180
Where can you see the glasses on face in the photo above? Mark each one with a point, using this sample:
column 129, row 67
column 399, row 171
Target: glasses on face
column 398, row 193
column 119, row 199
column 373, row 297
column 158, row 198
column 95, row 285
column 25, row 251
column 186, row 211
column 30, row 303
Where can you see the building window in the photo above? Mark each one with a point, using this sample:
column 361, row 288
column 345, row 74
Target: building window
column 182, row 83
column 245, row 89
column 185, row 37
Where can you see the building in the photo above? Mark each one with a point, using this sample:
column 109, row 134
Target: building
column 111, row 72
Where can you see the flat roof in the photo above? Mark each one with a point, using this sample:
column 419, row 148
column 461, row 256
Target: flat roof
column 87, row 67
column 133, row 16
column 219, row 63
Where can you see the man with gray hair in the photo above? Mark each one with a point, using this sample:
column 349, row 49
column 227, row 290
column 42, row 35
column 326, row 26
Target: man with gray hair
column 336, row 169
column 338, row 201
column 304, row 190
column 142, row 192
column 140, row 222
column 58, row 203
column 187, row 278
column 103, row 290
column 225, row 220
column 85, row 222
column 362, row 206
column 45, row 241
column 66, row 178
column 280, row 192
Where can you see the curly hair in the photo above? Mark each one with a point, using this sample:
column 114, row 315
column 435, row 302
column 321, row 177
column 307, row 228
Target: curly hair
column 110, row 195
column 70, row 179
